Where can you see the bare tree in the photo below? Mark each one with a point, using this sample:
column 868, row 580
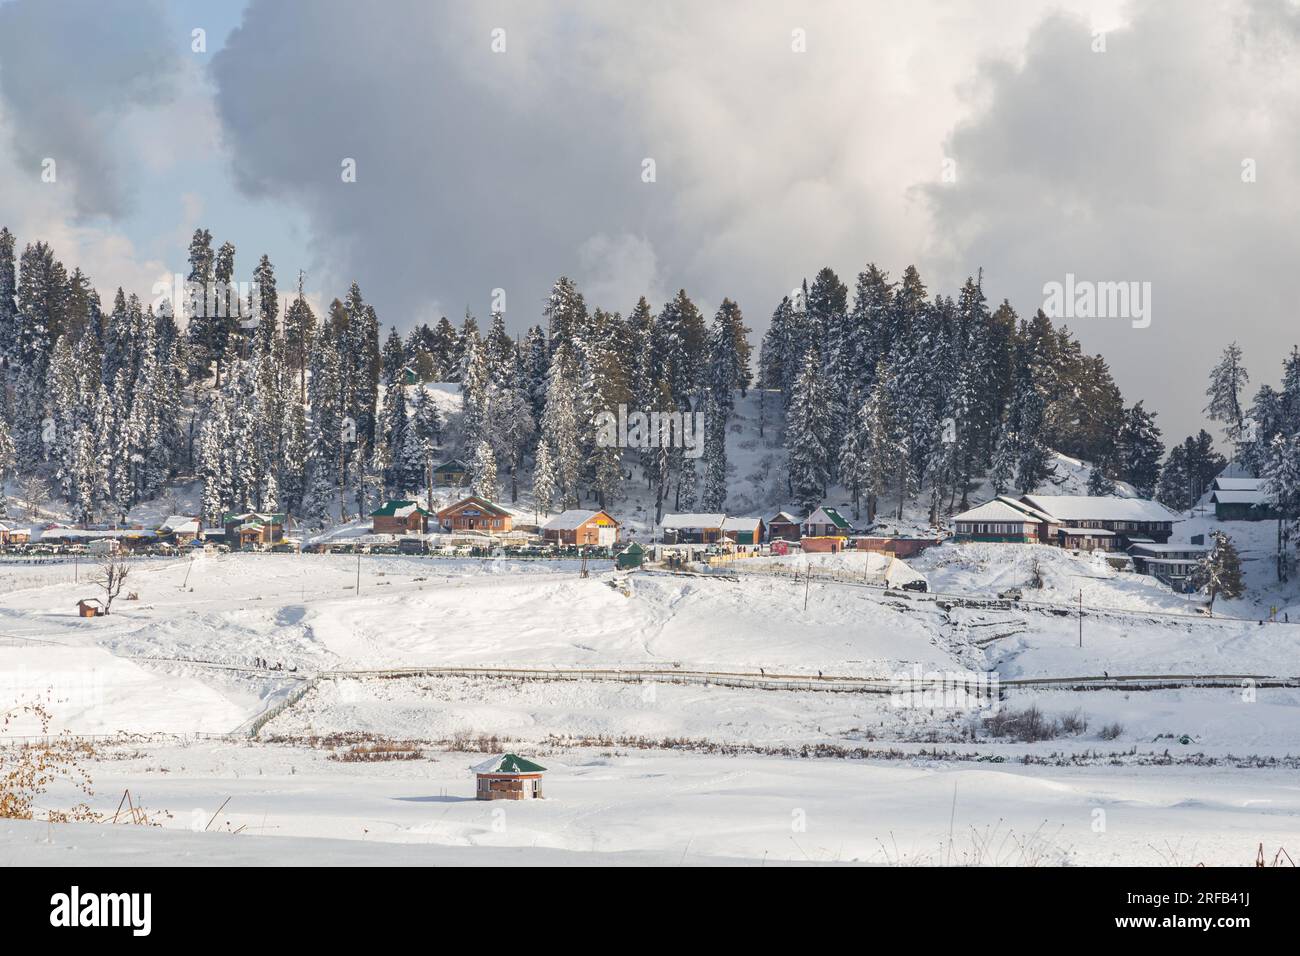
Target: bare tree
column 35, row 493
column 111, row 576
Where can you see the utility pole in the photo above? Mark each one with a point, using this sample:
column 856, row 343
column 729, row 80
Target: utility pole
column 358, row 570
column 1080, row 617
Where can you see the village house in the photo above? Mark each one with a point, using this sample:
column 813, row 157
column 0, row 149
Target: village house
column 1129, row 519
column 745, row 533
column 400, row 517
column 451, row 474
column 692, row 528
column 579, row 528
column 476, row 514
column 1079, row 522
column 13, row 535
column 783, row 526
column 104, row 540
column 1240, row 499
column 996, row 520
column 508, row 777
column 825, row 523
column 1174, row 564
column 180, row 530
column 253, row 530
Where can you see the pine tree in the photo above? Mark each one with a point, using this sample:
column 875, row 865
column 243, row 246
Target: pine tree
column 299, row 332
column 715, row 455
column 6, row 461
column 561, row 430
column 1174, row 490
column 394, row 358
column 1219, row 572
column 1227, row 382
column 267, row 304
column 200, row 279
column 545, row 481
column 1139, row 450
column 8, row 298
column 807, row 435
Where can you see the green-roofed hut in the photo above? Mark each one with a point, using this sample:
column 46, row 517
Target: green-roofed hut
column 633, row 556
column 508, row 777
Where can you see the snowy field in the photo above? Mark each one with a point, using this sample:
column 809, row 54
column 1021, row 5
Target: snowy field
column 611, row 806
column 642, row 770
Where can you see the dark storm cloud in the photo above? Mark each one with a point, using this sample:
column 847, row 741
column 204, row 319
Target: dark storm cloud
column 1126, row 165
column 475, row 170
column 479, row 170
column 69, row 72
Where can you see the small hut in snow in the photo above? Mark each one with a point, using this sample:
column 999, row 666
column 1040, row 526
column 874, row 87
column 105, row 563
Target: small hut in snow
column 508, row 777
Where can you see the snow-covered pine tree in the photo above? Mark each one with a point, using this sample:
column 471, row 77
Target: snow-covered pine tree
column 1139, row 450
column 267, row 302
column 678, row 347
column 483, row 481
column 8, row 298
column 544, row 480
column 1228, row 381
column 561, row 429
column 6, row 461
column 222, row 320
column 566, row 313
column 1174, row 489
column 475, row 390
column 715, row 455
column 513, row 430
column 807, row 433
column 394, row 358
column 199, row 281
column 1219, row 572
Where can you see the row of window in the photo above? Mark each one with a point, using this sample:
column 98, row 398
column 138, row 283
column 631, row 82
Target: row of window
column 970, row 527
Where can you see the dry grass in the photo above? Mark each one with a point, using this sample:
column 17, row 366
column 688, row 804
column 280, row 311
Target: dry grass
column 379, row 752
column 27, row 770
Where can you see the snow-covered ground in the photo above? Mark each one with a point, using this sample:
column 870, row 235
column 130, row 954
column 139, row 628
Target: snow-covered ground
column 618, row 806
column 636, row 770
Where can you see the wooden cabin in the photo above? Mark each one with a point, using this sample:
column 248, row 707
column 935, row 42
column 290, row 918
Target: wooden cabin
column 508, row 777
column 12, row 535
column 451, row 474
column 475, row 514
column 401, row 517
column 825, row 523
column 1241, row 499
column 692, row 528
column 783, row 526
column 745, row 533
column 253, row 530
column 180, row 530
column 91, row 607
column 579, row 528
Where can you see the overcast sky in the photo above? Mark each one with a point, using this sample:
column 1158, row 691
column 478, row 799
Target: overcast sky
column 1103, row 140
